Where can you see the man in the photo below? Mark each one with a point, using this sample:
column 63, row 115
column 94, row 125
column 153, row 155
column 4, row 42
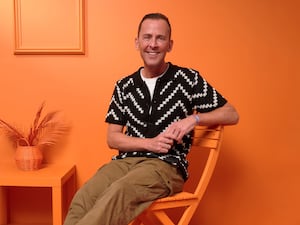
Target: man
column 150, row 119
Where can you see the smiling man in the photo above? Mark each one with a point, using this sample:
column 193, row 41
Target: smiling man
column 150, row 119
column 154, row 41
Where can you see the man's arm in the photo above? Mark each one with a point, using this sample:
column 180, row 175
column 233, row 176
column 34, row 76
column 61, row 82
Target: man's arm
column 225, row 115
column 116, row 139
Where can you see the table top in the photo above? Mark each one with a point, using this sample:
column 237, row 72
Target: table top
column 50, row 175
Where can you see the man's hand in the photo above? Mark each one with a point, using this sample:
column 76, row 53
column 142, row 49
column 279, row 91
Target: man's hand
column 174, row 133
column 162, row 143
column 178, row 129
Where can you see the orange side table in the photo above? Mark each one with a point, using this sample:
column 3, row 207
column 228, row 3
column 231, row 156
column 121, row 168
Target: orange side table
column 50, row 175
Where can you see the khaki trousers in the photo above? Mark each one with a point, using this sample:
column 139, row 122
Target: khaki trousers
column 121, row 190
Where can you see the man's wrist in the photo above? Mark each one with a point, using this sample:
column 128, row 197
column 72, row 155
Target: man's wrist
column 197, row 118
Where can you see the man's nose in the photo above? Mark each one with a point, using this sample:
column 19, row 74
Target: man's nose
column 153, row 43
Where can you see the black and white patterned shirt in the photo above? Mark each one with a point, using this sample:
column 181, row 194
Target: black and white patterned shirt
column 177, row 94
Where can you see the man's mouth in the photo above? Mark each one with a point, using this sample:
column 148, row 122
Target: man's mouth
column 152, row 53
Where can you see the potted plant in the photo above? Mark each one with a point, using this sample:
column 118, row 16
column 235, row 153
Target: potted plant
column 44, row 132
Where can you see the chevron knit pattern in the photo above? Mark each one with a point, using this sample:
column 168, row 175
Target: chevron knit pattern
column 177, row 94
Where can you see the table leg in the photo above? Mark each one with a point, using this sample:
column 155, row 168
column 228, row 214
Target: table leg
column 57, row 205
column 3, row 205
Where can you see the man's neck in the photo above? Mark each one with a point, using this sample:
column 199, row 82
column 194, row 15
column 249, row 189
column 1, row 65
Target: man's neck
column 151, row 72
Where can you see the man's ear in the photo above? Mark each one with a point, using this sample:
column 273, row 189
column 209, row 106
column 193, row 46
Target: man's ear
column 136, row 43
column 170, row 45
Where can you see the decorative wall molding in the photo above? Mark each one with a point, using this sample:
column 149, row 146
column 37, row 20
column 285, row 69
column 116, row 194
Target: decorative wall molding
column 49, row 27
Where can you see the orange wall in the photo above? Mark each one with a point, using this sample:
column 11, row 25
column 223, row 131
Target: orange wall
column 246, row 49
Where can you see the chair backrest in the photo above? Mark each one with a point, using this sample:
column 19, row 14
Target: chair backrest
column 209, row 139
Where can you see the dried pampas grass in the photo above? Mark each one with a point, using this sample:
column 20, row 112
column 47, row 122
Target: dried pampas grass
column 46, row 131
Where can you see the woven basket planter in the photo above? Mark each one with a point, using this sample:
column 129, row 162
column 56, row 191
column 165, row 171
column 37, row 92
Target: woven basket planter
column 28, row 158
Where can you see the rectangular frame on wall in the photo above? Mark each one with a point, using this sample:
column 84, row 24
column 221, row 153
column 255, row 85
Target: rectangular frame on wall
column 49, row 27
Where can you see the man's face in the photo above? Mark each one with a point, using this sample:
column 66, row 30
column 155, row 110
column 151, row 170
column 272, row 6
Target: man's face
column 154, row 42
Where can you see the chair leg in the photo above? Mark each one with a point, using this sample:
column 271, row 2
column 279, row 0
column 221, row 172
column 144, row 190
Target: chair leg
column 153, row 218
column 136, row 221
column 187, row 215
column 150, row 218
column 163, row 217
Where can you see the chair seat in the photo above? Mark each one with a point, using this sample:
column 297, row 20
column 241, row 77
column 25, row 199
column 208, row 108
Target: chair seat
column 178, row 197
column 181, row 199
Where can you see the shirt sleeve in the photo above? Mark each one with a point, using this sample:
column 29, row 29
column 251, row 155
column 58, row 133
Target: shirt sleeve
column 206, row 98
column 115, row 113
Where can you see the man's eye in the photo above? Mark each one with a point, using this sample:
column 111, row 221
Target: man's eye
column 161, row 38
column 146, row 37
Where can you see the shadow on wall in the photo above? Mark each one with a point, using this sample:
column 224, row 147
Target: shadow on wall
column 225, row 183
